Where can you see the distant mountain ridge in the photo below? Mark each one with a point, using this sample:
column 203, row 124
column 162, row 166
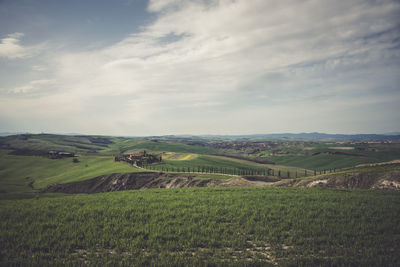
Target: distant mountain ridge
column 317, row 136
column 11, row 133
column 290, row 136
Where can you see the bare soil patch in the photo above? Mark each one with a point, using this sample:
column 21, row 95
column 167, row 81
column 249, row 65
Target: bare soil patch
column 386, row 180
column 144, row 180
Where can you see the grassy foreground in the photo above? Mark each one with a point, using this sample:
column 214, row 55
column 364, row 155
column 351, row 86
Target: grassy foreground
column 204, row 226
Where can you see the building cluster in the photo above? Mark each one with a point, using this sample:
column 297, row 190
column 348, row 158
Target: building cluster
column 139, row 159
column 59, row 154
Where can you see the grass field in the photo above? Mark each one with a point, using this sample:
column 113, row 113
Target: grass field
column 210, row 163
column 204, row 226
column 17, row 172
column 354, row 157
column 194, row 226
column 312, row 156
column 170, row 147
column 103, row 145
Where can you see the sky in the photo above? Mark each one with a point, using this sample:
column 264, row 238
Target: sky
column 160, row 67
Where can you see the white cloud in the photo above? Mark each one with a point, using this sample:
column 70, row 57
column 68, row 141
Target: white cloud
column 202, row 59
column 39, row 68
column 11, row 48
column 30, row 87
column 159, row 5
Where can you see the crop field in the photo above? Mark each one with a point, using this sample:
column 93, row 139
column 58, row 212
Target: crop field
column 178, row 156
column 204, row 226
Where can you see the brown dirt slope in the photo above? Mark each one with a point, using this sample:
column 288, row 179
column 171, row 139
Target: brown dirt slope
column 129, row 181
column 376, row 177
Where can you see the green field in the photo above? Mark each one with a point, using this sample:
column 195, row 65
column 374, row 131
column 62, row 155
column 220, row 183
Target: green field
column 204, row 226
column 103, row 145
column 77, row 144
column 326, row 162
column 265, row 226
column 17, row 172
column 350, row 158
column 301, row 154
column 215, row 163
column 219, row 164
column 171, row 147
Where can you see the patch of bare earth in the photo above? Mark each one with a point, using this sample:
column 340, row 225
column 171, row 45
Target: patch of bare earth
column 386, row 184
column 317, row 183
column 254, row 252
column 386, row 180
column 396, row 161
column 145, row 180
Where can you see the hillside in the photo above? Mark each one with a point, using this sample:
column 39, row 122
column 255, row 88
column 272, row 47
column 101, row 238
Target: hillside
column 102, row 145
column 380, row 176
column 196, row 207
column 145, row 180
column 26, row 168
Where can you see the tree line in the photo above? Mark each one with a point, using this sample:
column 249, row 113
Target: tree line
column 239, row 171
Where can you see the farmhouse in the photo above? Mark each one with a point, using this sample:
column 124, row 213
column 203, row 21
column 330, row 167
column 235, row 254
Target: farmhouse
column 139, row 159
column 59, row 154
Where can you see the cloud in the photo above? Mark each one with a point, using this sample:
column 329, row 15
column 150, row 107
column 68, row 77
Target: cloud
column 206, row 60
column 31, row 87
column 159, row 5
column 39, row 68
column 11, row 48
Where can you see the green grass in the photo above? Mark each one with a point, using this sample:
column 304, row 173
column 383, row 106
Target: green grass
column 325, row 162
column 209, row 161
column 289, row 154
column 76, row 144
column 206, row 162
column 383, row 153
column 203, row 227
column 88, row 144
column 189, row 227
column 170, row 147
column 321, row 161
column 16, row 172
